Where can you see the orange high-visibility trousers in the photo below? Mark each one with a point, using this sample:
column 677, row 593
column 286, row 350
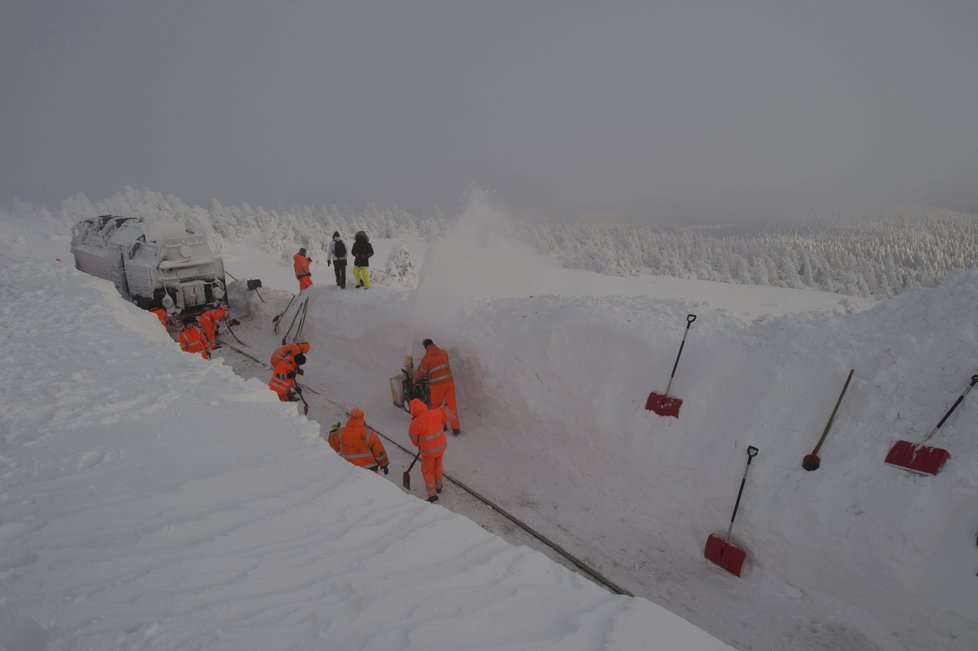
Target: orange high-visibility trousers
column 444, row 392
column 431, row 470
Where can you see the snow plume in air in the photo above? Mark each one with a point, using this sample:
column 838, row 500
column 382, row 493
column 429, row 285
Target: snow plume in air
column 477, row 257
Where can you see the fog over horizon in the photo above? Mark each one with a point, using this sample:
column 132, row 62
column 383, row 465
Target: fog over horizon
column 667, row 110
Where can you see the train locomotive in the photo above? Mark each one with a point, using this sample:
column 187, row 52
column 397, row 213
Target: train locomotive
column 151, row 261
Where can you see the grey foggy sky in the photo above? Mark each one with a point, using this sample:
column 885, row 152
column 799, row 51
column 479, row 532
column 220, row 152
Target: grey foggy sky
column 688, row 108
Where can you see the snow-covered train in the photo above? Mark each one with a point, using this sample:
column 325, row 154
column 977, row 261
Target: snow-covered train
column 148, row 261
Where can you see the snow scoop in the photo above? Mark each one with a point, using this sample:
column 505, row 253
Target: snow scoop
column 252, row 285
column 277, row 317
column 920, row 458
column 406, row 479
column 662, row 403
column 811, row 461
column 720, row 550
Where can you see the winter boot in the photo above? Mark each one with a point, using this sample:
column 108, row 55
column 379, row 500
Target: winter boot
column 433, row 499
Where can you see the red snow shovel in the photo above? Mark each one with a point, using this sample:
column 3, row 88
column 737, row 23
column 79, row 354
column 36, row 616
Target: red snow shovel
column 406, row 480
column 920, row 458
column 662, row 403
column 811, row 461
column 720, row 550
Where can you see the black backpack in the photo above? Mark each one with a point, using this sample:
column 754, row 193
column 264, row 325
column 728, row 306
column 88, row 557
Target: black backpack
column 339, row 249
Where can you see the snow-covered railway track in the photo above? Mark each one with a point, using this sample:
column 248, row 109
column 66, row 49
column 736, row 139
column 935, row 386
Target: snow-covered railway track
column 556, row 551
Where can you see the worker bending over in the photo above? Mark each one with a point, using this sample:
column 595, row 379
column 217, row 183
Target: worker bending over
column 359, row 444
column 283, row 378
column 192, row 340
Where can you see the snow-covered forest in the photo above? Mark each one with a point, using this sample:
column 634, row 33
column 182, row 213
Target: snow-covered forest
column 870, row 252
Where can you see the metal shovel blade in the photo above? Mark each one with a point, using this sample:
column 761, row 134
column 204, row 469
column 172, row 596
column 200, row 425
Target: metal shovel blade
column 921, row 459
column 811, row 462
column 406, row 480
column 725, row 554
column 663, row 405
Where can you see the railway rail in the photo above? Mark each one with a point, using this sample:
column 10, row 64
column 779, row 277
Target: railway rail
column 570, row 559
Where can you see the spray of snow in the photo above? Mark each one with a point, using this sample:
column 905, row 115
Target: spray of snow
column 477, row 258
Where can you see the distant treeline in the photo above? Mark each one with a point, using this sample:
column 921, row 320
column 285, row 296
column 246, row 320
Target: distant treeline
column 867, row 252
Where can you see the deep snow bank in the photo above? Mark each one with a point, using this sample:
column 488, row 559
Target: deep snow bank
column 152, row 500
column 552, row 390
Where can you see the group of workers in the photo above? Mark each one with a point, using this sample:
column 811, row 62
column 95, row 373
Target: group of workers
column 354, row 441
column 336, row 254
column 199, row 334
column 361, row 445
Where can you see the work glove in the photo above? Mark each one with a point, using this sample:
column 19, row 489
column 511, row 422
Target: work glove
column 290, row 374
column 298, row 391
column 329, row 263
column 300, row 371
column 386, row 470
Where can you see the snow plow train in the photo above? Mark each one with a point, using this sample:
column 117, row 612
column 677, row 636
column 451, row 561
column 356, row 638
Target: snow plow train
column 148, row 261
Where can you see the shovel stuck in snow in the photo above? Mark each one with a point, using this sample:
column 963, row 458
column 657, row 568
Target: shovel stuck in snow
column 662, row 403
column 720, row 550
column 920, row 458
column 811, row 461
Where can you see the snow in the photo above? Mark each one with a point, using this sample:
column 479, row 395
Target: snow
column 180, row 506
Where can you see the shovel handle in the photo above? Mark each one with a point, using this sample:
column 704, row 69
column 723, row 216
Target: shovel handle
column 416, row 457
column 838, row 402
column 751, row 453
column 974, row 381
column 689, row 321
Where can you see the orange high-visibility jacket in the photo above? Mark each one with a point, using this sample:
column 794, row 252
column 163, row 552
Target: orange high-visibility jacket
column 283, row 379
column 288, row 350
column 209, row 321
column 434, row 365
column 427, row 429
column 301, row 265
column 358, row 444
column 161, row 315
column 192, row 341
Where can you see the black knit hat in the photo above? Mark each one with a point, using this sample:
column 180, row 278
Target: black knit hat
column 336, row 233
column 300, row 359
column 427, row 342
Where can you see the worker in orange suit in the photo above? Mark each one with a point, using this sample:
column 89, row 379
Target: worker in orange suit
column 427, row 431
column 359, row 444
column 161, row 315
column 283, row 381
column 192, row 340
column 210, row 321
column 435, row 368
column 288, row 350
column 164, row 312
column 301, row 264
